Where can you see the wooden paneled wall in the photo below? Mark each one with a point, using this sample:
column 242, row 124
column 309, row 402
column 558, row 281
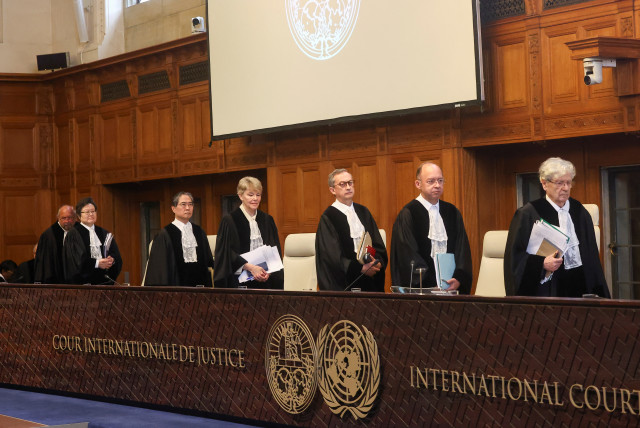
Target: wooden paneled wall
column 61, row 140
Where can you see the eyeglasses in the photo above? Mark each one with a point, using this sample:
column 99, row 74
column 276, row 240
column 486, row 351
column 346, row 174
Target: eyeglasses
column 344, row 184
column 562, row 183
column 185, row 204
column 433, row 181
column 88, row 212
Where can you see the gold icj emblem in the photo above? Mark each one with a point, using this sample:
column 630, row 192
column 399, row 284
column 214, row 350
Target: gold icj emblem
column 290, row 362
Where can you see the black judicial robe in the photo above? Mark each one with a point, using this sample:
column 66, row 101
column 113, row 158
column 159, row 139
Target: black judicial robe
column 523, row 271
column 410, row 242
column 48, row 265
column 336, row 263
column 25, row 273
column 166, row 260
column 234, row 238
column 79, row 267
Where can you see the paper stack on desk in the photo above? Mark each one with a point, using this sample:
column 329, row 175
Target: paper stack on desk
column 546, row 239
column 267, row 257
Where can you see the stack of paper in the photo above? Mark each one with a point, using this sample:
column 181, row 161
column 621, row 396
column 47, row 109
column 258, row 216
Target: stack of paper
column 266, row 257
column 546, row 239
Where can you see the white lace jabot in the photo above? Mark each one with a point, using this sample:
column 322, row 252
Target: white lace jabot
column 189, row 243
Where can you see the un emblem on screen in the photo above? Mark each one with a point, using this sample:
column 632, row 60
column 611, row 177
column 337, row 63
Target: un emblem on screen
column 321, row 28
column 345, row 366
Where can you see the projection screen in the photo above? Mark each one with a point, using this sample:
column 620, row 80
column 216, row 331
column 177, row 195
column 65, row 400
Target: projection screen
column 276, row 64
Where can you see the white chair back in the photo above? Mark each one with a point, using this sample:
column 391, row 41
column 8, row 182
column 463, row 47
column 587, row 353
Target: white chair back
column 212, row 243
column 594, row 211
column 491, row 276
column 383, row 234
column 300, row 262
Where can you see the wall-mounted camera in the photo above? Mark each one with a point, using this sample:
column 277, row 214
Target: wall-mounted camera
column 593, row 69
column 197, row 25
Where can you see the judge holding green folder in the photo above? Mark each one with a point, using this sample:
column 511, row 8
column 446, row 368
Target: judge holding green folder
column 573, row 274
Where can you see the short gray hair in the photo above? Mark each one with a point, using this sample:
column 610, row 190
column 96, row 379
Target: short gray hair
column 248, row 182
column 554, row 167
column 176, row 198
column 332, row 176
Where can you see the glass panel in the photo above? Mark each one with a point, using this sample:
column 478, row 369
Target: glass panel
column 635, row 226
column 626, row 291
column 635, row 263
column 149, row 228
column 623, row 231
column 623, row 264
column 196, row 218
column 530, row 188
column 621, row 189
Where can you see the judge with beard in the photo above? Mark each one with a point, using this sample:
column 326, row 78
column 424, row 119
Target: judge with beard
column 180, row 253
column 48, row 260
column 245, row 229
column 338, row 239
column 91, row 255
column 425, row 227
column 575, row 273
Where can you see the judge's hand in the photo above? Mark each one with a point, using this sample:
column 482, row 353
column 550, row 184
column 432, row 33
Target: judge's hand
column 257, row 272
column 374, row 269
column 454, row 284
column 105, row 263
column 552, row 262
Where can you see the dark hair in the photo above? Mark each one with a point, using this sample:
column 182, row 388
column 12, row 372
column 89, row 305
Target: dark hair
column 84, row 202
column 8, row 265
column 176, row 198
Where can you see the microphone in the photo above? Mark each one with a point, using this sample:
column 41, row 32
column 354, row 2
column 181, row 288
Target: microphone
column 375, row 262
column 411, row 276
column 111, row 279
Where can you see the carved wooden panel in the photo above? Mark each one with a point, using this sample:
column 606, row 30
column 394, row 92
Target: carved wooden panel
column 19, row 99
column 365, row 172
column 415, row 135
column 289, row 206
column 19, row 215
column 311, row 184
column 194, row 122
column 296, row 150
column 18, row 147
column 350, row 143
column 116, row 143
column 403, row 172
column 245, row 153
column 511, row 65
column 83, row 143
column 155, row 130
column 562, row 70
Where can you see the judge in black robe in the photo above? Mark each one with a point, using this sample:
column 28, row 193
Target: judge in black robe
column 234, row 239
column 337, row 265
column 523, row 272
column 79, row 265
column 167, row 264
column 48, row 260
column 411, row 246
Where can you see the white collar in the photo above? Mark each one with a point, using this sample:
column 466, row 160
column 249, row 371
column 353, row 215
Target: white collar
column 427, row 204
column 180, row 225
column 92, row 227
column 246, row 213
column 556, row 206
column 343, row 208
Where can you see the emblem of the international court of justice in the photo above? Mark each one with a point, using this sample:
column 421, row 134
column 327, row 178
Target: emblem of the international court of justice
column 345, row 366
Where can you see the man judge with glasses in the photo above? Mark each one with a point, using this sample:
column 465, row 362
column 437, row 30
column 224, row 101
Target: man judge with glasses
column 427, row 226
column 340, row 231
column 180, row 253
column 576, row 272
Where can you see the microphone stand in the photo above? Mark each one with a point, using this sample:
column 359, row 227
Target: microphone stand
column 375, row 262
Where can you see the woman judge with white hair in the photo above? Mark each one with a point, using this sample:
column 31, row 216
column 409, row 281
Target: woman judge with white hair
column 245, row 229
column 578, row 271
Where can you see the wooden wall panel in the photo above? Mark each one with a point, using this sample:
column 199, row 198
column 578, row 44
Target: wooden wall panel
column 511, row 64
column 289, row 205
column 561, row 80
column 82, row 143
column 18, row 147
column 311, row 209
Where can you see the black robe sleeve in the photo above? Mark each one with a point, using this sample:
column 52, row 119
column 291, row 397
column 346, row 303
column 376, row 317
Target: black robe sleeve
column 161, row 267
column 333, row 267
column 522, row 271
column 404, row 250
column 227, row 258
column 48, row 264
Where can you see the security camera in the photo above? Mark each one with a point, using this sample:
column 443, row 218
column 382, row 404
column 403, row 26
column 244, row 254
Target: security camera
column 593, row 69
column 197, row 25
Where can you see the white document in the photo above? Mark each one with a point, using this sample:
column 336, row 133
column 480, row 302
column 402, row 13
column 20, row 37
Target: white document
column 544, row 231
column 267, row 257
column 107, row 244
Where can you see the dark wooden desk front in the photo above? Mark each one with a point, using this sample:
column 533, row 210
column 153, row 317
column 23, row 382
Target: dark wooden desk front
column 458, row 360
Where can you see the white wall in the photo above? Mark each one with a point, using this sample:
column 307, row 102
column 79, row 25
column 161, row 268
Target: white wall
column 26, row 32
column 36, row 27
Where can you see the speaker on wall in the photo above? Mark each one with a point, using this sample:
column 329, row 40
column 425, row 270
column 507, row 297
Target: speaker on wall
column 53, row 61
